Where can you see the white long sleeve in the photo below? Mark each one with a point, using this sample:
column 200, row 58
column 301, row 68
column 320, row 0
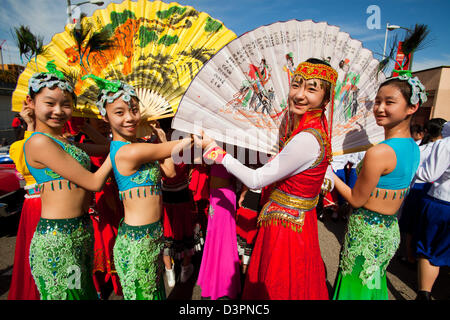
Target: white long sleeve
column 436, row 169
column 298, row 155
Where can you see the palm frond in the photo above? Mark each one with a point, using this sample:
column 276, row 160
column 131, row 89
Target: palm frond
column 24, row 40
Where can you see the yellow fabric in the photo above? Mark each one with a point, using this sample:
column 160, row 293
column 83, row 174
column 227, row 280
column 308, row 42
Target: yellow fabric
column 17, row 155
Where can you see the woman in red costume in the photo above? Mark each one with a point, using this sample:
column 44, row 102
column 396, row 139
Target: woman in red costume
column 286, row 262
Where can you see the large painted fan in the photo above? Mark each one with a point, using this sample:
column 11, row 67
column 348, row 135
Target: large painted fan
column 240, row 95
column 156, row 47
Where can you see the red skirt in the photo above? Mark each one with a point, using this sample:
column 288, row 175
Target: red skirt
column 23, row 286
column 109, row 212
column 286, row 265
column 246, row 229
column 178, row 222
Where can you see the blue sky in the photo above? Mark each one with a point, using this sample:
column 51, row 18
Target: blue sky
column 48, row 17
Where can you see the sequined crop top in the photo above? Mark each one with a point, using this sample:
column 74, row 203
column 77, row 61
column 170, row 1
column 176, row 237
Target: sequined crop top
column 46, row 174
column 148, row 174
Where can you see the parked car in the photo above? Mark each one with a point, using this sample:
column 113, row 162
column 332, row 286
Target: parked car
column 11, row 187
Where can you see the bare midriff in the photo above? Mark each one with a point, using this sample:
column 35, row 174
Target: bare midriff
column 386, row 201
column 63, row 200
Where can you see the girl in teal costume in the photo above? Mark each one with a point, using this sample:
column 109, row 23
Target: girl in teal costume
column 61, row 250
column 383, row 181
column 136, row 166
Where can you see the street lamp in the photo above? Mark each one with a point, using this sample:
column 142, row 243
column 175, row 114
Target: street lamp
column 390, row 28
column 70, row 7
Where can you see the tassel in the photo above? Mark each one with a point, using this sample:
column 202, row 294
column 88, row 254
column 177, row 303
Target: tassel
column 53, row 188
column 378, row 192
column 130, row 195
column 385, row 195
column 145, row 193
column 68, row 185
column 59, row 182
column 395, row 194
column 138, row 193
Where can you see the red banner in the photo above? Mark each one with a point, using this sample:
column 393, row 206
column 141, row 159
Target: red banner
column 400, row 59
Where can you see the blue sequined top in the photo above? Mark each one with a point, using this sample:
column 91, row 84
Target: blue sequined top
column 408, row 158
column 148, row 174
column 47, row 174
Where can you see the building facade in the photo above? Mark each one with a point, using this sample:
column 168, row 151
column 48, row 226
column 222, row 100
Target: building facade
column 437, row 84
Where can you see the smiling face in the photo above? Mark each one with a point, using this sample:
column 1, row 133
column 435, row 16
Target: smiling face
column 391, row 106
column 52, row 108
column 123, row 118
column 305, row 95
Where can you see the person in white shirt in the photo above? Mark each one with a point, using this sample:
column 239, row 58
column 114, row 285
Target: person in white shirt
column 410, row 211
column 433, row 245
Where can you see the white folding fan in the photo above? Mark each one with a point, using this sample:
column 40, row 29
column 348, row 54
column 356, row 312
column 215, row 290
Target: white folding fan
column 240, row 95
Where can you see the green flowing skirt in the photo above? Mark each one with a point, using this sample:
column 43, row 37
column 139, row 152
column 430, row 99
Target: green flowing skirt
column 138, row 260
column 61, row 259
column 370, row 243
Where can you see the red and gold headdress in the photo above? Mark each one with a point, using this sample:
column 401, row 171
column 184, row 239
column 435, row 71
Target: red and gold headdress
column 308, row 70
column 316, row 71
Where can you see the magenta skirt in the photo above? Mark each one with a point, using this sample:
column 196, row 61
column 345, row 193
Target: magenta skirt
column 219, row 274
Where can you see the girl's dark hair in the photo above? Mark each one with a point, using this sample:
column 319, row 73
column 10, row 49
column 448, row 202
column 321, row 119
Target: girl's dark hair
column 401, row 85
column 433, row 129
column 33, row 94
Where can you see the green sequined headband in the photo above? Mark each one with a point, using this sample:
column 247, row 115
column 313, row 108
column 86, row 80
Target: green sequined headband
column 49, row 79
column 120, row 89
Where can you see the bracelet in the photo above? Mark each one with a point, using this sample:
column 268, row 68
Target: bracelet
column 215, row 154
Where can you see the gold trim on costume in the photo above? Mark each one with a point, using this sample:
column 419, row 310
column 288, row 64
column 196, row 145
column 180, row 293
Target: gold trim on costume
column 278, row 207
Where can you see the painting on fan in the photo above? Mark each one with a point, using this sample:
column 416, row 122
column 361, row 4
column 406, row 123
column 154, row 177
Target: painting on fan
column 156, row 47
column 240, row 94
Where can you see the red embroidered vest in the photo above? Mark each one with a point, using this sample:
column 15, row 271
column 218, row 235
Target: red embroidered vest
column 292, row 197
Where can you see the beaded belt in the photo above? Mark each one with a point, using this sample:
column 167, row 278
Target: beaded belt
column 286, row 208
column 140, row 192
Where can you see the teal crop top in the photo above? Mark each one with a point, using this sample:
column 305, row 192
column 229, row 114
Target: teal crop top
column 46, row 174
column 408, row 158
column 148, row 175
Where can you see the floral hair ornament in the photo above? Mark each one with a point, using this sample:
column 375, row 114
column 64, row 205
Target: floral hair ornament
column 106, row 87
column 53, row 77
column 418, row 89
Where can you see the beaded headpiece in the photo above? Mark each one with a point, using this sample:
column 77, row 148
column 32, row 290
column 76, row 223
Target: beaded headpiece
column 418, row 92
column 49, row 79
column 317, row 71
column 120, row 89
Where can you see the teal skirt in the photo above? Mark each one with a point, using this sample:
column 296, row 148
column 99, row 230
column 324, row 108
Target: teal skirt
column 61, row 259
column 138, row 260
column 370, row 243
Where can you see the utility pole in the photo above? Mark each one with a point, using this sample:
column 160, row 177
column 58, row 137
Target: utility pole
column 1, row 54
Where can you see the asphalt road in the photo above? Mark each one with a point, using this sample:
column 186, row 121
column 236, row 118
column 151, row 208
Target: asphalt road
column 401, row 279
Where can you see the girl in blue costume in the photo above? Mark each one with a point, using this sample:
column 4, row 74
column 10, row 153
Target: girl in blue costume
column 136, row 166
column 61, row 250
column 384, row 176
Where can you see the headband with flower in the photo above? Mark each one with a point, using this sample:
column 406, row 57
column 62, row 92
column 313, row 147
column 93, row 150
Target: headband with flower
column 49, row 79
column 418, row 92
column 120, row 89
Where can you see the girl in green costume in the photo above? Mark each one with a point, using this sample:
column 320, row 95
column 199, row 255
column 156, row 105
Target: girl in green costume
column 136, row 166
column 61, row 250
column 384, row 176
